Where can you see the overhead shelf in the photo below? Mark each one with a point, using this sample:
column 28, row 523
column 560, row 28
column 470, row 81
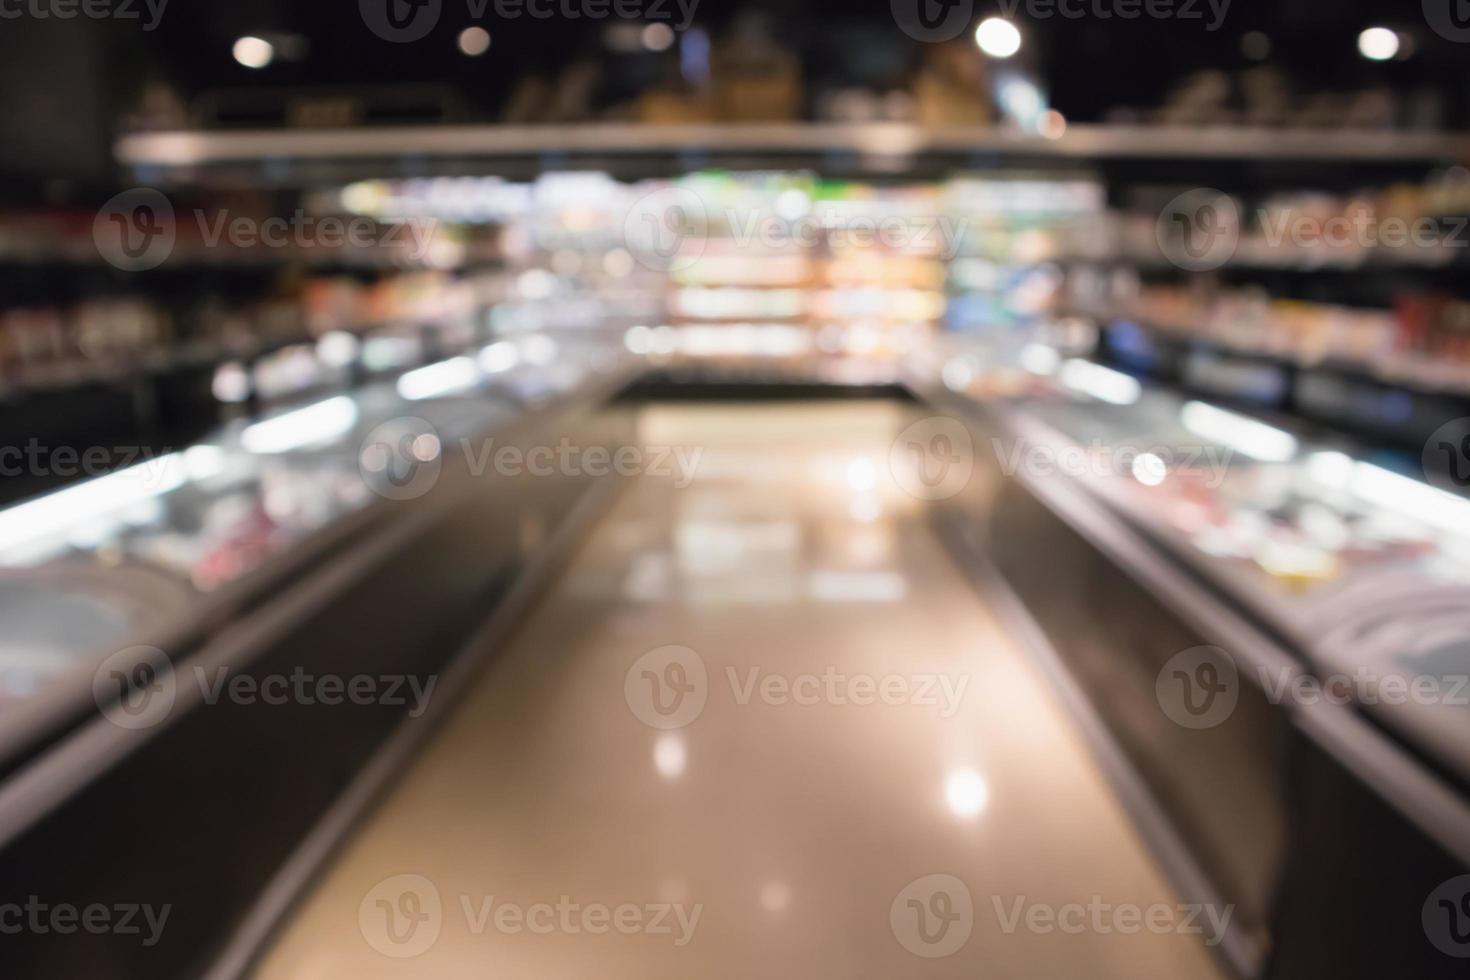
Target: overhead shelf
column 873, row 146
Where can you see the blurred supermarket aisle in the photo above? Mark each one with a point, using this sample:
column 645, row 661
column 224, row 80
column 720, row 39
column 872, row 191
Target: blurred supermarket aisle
column 762, row 727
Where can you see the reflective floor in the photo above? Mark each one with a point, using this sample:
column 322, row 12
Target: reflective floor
column 761, row 727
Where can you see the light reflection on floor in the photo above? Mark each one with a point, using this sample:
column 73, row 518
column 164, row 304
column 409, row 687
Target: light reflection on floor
column 870, row 749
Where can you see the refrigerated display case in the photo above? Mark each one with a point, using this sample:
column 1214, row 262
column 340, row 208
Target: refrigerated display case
column 1324, row 543
column 137, row 554
column 1137, row 526
column 368, row 534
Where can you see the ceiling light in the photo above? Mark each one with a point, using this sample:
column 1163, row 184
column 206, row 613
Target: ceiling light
column 254, row 52
column 474, row 41
column 997, row 37
column 1378, row 44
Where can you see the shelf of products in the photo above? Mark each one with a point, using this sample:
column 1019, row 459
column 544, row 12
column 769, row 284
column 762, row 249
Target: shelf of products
column 119, row 338
column 1003, row 275
column 1407, row 225
column 1364, row 566
column 1423, row 344
column 117, row 555
column 244, row 233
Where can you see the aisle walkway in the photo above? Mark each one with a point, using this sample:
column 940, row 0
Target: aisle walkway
column 760, row 728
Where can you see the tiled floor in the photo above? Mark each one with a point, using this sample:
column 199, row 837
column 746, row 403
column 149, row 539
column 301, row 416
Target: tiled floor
column 760, row 728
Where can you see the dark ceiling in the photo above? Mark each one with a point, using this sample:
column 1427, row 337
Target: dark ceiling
column 1091, row 65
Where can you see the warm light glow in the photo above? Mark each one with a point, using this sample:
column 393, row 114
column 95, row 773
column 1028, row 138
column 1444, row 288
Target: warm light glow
column 1391, row 491
column 254, row 52
column 618, row 263
column 499, row 356
column 638, row 339
column 998, row 37
column 842, row 587
column 658, row 37
column 536, row 283
column 740, row 339
column 1053, row 125
column 775, row 896
column 455, row 374
column 231, row 383
column 1149, row 469
column 337, row 348
column 425, row 447
column 966, row 793
column 1378, row 44
column 474, row 41
column 792, row 204
column 957, row 374
column 56, row 513
column 864, row 509
column 1245, row 435
column 1039, row 359
column 538, row 349
column 318, row 423
column 669, row 755
column 1104, row 384
column 862, row 474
